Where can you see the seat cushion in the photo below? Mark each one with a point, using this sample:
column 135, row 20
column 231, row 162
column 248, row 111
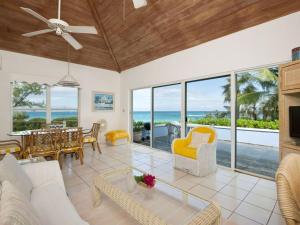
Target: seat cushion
column 15, row 208
column 11, row 170
column 9, row 149
column 53, row 206
column 187, row 152
column 199, row 139
column 89, row 139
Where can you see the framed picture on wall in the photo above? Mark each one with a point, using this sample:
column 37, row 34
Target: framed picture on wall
column 103, row 101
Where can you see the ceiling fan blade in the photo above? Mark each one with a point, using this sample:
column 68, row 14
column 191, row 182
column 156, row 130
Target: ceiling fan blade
column 38, row 16
column 72, row 41
column 34, row 33
column 82, row 29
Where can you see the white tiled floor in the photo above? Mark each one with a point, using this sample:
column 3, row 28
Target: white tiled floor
column 244, row 199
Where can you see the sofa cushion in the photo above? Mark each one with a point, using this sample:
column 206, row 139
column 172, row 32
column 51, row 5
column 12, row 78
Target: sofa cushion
column 53, row 206
column 15, row 208
column 199, row 139
column 187, row 152
column 11, row 170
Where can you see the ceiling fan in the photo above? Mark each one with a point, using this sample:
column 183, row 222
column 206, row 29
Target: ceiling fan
column 60, row 27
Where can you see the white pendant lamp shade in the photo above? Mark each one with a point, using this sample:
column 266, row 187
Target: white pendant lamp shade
column 139, row 3
column 68, row 81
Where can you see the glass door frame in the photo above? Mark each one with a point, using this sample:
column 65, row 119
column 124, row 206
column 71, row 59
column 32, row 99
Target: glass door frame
column 230, row 75
column 152, row 108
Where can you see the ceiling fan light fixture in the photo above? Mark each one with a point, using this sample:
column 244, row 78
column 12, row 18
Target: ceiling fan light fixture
column 139, row 3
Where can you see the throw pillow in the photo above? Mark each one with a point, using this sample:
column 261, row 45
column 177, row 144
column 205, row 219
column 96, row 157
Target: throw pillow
column 11, row 170
column 15, row 208
column 198, row 139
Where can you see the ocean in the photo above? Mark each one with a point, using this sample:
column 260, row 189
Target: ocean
column 165, row 116
column 168, row 116
column 54, row 115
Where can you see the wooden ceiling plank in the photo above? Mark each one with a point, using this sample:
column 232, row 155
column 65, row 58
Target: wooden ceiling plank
column 101, row 28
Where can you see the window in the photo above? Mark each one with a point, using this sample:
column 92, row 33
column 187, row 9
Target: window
column 31, row 109
column 166, row 115
column 29, row 106
column 64, row 105
column 141, row 115
column 257, row 121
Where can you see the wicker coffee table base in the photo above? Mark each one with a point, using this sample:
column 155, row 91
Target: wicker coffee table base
column 208, row 216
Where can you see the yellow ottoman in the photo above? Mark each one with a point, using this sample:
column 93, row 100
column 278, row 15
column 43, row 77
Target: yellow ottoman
column 117, row 137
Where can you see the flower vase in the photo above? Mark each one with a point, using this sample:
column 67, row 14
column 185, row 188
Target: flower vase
column 131, row 183
column 147, row 191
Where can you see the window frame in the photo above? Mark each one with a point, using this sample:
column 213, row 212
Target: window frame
column 48, row 104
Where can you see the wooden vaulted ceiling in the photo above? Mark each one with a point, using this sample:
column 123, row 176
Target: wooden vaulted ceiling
column 129, row 37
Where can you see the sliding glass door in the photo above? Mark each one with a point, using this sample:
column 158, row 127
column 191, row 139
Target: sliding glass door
column 248, row 136
column 166, row 115
column 208, row 103
column 257, row 135
column 141, row 116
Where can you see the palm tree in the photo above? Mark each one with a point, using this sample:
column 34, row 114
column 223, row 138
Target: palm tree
column 257, row 94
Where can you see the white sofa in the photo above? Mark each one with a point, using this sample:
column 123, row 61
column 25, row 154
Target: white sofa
column 48, row 196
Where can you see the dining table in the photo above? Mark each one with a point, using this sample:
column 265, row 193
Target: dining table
column 24, row 135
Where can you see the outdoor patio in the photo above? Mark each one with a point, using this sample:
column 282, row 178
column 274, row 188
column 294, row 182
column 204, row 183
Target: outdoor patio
column 257, row 159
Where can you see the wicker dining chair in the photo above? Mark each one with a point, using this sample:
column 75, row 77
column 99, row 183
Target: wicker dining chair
column 91, row 137
column 11, row 147
column 72, row 143
column 288, row 188
column 45, row 143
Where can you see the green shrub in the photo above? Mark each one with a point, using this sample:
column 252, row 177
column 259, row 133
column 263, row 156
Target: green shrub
column 246, row 123
column 70, row 121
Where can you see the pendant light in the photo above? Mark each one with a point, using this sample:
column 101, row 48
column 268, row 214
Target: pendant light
column 139, row 3
column 68, row 80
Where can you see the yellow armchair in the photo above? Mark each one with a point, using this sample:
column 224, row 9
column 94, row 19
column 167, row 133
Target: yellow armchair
column 199, row 160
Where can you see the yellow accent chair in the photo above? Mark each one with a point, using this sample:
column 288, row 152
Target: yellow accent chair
column 91, row 137
column 196, row 154
column 288, row 188
column 11, row 147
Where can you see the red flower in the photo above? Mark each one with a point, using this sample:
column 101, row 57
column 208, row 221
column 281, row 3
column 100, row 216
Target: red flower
column 149, row 180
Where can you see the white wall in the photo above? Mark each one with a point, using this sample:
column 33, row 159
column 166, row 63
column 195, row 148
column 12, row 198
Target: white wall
column 22, row 67
column 264, row 44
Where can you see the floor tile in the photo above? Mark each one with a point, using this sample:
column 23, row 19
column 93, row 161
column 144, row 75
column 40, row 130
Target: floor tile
column 266, row 184
column 276, row 220
column 236, row 219
column 234, row 192
column 212, row 184
column 260, row 201
column 202, row 191
column 242, row 184
column 226, row 202
column 247, row 178
column 254, row 213
column 266, row 192
column 183, row 184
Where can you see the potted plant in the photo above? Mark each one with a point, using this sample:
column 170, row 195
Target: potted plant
column 137, row 131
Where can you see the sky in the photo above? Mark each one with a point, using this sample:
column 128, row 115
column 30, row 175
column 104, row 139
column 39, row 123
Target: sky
column 205, row 95
column 61, row 98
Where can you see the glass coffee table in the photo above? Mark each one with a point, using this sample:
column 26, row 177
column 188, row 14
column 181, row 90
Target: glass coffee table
column 164, row 204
